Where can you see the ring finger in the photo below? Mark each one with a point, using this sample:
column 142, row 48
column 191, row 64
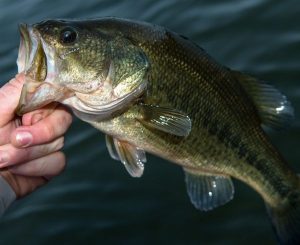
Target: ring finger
column 46, row 166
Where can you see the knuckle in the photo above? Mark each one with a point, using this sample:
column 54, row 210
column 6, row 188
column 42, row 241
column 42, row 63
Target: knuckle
column 11, row 87
column 65, row 119
column 26, row 153
column 49, row 131
column 68, row 118
column 61, row 162
column 3, row 95
column 15, row 83
column 65, row 114
column 59, row 143
column 41, row 150
column 41, row 168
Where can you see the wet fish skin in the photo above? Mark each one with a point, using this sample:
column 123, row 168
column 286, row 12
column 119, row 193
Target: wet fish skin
column 226, row 138
column 112, row 71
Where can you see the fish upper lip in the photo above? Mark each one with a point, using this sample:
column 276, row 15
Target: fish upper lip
column 24, row 48
column 32, row 57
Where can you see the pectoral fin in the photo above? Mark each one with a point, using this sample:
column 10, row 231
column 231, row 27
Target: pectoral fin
column 207, row 192
column 131, row 156
column 164, row 119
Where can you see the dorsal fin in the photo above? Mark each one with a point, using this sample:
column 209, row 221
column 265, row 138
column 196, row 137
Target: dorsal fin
column 273, row 107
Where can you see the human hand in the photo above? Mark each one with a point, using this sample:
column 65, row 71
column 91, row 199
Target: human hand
column 30, row 154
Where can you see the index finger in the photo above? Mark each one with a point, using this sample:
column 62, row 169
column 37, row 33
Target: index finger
column 49, row 128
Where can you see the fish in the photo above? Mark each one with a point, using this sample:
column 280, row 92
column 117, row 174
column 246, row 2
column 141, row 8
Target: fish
column 151, row 90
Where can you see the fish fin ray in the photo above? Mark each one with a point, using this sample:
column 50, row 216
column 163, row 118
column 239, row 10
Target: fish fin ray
column 286, row 220
column 132, row 157
column 168, row 120
column 273, row 107
column 111, row 147
column 207, row 192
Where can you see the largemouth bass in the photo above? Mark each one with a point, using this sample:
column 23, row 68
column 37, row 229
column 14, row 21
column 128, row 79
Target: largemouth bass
column 152, row 90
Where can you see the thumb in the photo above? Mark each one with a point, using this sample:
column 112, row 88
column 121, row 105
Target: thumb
column 9, row 98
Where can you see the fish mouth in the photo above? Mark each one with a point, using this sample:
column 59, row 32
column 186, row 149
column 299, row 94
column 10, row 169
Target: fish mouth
column 42, row 64
column 33, row 60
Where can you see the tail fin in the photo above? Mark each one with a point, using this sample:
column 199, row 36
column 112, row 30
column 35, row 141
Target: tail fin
column 286, row 220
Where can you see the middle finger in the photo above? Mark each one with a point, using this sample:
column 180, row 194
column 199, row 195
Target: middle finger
column 10, row 155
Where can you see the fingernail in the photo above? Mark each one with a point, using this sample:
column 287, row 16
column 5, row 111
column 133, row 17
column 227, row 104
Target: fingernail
column 36, row 118
column 4, row 158
column 24, row 138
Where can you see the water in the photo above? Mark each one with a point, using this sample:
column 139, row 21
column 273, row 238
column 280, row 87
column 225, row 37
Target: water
column 95, row 201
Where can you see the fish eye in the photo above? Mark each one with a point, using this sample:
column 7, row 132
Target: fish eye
column 68, row 35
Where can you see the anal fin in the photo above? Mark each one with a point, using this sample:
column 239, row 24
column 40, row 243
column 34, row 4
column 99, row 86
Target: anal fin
column 207, row 192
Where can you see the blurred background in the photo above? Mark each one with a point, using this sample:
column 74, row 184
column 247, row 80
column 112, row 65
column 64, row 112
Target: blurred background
column 95, row 201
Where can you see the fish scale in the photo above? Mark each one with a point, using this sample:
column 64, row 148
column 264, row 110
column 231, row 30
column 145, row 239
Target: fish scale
column 175, row 102
column 183, row 88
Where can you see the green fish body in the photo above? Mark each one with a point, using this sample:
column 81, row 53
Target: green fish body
column 163, row 94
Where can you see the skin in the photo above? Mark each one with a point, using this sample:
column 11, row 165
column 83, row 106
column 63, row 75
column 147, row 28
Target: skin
column 31, row 152
column 226, row 136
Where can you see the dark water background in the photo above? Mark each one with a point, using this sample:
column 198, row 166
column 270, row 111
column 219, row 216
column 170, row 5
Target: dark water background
column 95, row 201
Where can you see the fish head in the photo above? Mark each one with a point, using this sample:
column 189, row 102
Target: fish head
column 94, row 72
